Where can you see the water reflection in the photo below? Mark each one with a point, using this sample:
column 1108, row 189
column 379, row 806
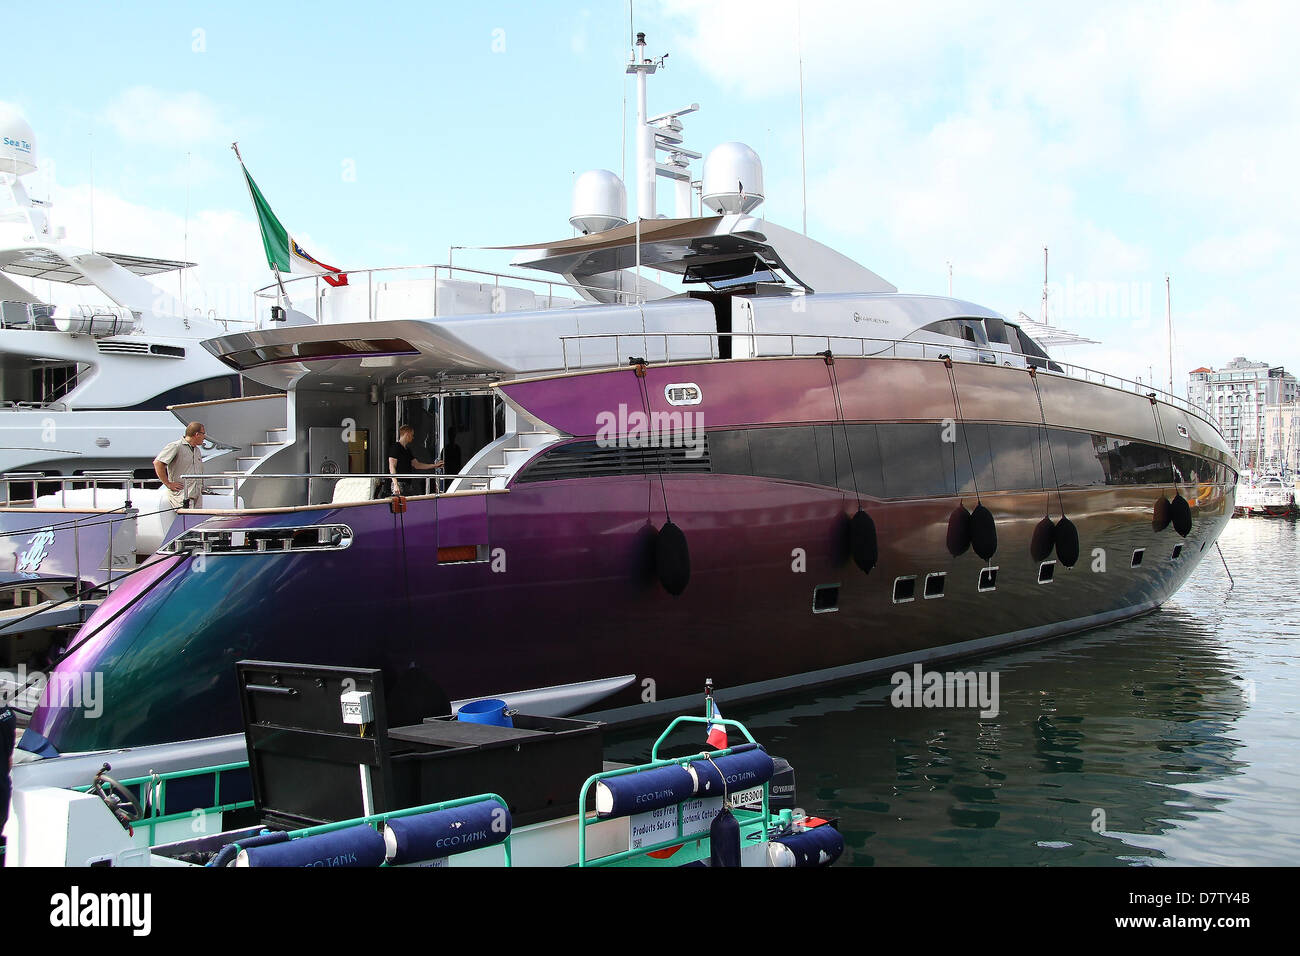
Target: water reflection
column 1165, row 739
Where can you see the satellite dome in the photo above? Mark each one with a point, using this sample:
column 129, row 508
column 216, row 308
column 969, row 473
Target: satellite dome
column 733, row 179
column 17, row 143
column 599, row 202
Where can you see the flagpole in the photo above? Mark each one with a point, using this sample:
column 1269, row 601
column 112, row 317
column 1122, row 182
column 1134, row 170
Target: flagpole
column 284, row 296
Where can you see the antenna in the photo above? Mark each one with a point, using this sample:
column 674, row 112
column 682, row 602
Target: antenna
column 1169, row 329
column 92, row 191
column 1045, row 322
column 186, row 239
column 950, row 278
column 803, row 164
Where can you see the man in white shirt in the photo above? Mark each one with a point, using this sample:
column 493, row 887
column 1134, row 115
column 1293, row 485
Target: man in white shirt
column 182, row 457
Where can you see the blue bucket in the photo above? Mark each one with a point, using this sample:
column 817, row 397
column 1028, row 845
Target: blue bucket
column 489, row 711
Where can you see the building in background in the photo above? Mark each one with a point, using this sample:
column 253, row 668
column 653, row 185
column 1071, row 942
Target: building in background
column 1239, row 396
column 1282, row 437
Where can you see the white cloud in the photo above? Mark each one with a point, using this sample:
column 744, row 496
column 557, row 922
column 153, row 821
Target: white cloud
column 1131, row 139
column 143, row 114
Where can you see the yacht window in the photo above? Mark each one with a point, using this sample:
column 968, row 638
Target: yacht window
column 996, row 330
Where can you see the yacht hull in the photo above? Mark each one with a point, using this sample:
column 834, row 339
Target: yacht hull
column 562, row 584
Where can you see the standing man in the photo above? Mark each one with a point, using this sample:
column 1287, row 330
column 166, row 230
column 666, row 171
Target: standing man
column 401, row 460
column 182, row 457
column 8, row 724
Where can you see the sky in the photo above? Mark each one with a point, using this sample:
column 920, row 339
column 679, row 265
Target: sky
column 1134, row 140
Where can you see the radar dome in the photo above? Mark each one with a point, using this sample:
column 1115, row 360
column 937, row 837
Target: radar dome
column 599, row 202
column 17, row 144
column 733, row 179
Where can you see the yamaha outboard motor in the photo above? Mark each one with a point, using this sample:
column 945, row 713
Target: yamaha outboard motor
column 781, row 796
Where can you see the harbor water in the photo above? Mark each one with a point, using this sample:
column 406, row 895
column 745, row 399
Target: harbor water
column 1168, row 739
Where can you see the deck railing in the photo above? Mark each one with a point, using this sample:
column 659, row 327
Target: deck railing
column 796, row 344
column 554, row 289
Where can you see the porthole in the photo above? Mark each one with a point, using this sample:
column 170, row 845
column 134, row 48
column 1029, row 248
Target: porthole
column 988, row 579
column 934, row 584
column 905, row 589
column 1137, row 556
column 1046, row 571
column 826, row 597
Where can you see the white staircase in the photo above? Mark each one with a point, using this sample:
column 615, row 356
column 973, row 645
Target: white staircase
column 276, row 438
column 497, row 463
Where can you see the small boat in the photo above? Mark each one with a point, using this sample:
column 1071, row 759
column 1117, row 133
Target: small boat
column 1269, row 496
column 328, row 783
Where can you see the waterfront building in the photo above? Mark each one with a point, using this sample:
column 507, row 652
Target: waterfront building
column 1238, row 395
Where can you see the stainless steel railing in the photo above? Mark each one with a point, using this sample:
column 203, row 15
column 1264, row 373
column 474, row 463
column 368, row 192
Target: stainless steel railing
column 234, row 480
column 813, row 343
column 441, row 270
column 31, row 481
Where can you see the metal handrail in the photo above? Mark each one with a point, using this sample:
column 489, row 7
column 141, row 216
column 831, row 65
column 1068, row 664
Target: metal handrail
column 272, row 291
column 887, row 348
column 238, row 477
column 124, row 480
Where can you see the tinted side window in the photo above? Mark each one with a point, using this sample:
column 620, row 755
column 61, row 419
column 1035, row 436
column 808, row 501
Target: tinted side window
column 785, row 452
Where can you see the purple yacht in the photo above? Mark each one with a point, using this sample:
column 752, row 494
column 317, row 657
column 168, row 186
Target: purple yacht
column 784, row 475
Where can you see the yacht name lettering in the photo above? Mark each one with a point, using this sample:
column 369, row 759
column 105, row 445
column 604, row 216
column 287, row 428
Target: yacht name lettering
column 22, row 144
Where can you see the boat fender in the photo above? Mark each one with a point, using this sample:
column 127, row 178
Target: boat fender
column 226, row 855
column 1043, row 540
column 442, row 833
column 731, row 773
column 862, row 541
column 357, row 846
column 820, row 846
column 672, row 559
column 1160, row 514
column 983, row 532
column 724, row 840
column 958, row 531
column 1067, row 542
column 643, row 791
column 1180, row 514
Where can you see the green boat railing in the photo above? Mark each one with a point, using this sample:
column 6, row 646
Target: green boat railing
column 156, row 786
column 750, row 821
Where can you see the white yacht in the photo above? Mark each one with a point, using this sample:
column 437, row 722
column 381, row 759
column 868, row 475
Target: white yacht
column 86, row 388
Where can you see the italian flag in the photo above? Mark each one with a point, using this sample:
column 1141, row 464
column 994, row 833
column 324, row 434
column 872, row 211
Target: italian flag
column 283, row 253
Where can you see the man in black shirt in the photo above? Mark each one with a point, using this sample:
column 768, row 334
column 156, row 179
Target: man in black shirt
column 8, row 725
column 401, row 460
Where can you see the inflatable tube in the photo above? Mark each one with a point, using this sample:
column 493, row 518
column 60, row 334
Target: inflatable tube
column 734, row 772
column 1067, row 542
column 1043, row 540
column 440, row 833
column 358, row 846
column 820, row 846
column 672, row 559
column 647, row 790
column 1160, row 514
column 862, row 541
column 1180, row 515
column 958, row 531
column 983, row 532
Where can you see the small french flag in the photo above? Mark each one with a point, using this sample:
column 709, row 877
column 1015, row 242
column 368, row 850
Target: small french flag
column 717, row 733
